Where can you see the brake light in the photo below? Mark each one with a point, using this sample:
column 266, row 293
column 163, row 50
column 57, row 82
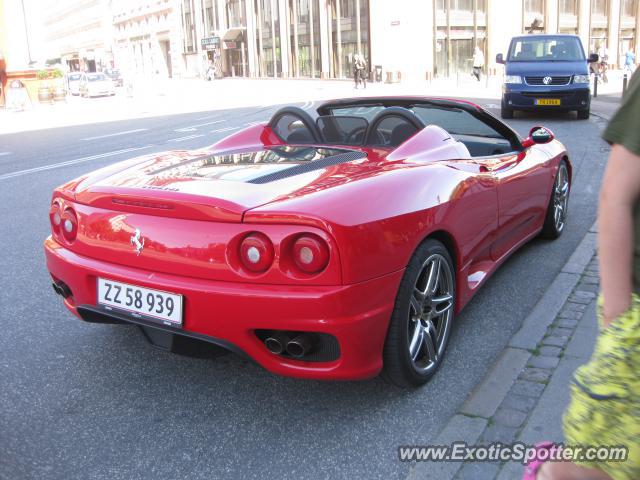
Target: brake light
column 256, row 252
column 310, row 253
column 55, row 217
column 69, row 224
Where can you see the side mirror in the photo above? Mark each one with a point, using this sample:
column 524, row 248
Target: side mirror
column 538, row 135
column 499, row 58
column 593, row 58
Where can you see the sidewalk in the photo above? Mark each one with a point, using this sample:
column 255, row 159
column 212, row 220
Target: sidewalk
column 154, row 97
column 523, row 396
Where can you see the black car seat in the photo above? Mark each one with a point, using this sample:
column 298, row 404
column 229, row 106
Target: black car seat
column 306, row 131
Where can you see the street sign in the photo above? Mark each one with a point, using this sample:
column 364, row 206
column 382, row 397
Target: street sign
column 210, row 43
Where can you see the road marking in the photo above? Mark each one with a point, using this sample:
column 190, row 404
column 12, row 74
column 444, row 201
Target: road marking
column 70, row 162
column 491, row 106
column 88, row 139
column 226, row 129
column 2, row 154
column 253, row 124
column 193, row 128
column 207, row 117
column 188, row 137
column 308, row 105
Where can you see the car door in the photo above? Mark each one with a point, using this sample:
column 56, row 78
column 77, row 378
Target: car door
column 523, row 189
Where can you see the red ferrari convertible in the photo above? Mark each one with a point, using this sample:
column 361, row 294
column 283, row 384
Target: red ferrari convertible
column 334, row 247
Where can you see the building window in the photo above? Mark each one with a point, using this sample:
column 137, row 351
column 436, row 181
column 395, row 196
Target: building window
column 187, row 25
column 268, row 38
column 568, row 7
column 347, row 36
column 304, row 28
column 235, row 13
column 629, row 8
column 210, row 16
column 462, row 5
column 534, row 7
column 599, row 7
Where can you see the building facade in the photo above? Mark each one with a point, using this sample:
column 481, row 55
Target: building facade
column 79, row 33
column 147, row 37
column 414, row 39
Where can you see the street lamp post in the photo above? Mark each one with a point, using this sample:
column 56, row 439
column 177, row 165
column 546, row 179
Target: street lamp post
column 26, row 32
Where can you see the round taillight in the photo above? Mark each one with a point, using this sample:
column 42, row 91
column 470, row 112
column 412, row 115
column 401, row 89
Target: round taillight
column 55, row 217
column 310, row 253
column 69, row 225
column 256, row 252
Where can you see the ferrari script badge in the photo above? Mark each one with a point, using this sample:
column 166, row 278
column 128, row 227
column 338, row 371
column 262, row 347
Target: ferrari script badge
column 135, row 241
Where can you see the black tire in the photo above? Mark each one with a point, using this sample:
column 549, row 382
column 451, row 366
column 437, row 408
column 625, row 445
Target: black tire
column 399, row 368
column 583, row 114
column 552, row 228
column 506, row 112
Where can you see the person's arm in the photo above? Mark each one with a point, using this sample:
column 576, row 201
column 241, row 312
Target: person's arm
column 618, row 195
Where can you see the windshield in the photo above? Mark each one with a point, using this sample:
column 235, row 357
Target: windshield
column 74, row 76
column 97, row 78
column 561, row 49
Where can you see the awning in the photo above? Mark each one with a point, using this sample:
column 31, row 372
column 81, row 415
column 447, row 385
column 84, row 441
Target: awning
column 233, row 33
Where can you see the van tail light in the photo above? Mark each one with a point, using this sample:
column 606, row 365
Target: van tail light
column 310, row 253
column 256, row 252
column 69, row 225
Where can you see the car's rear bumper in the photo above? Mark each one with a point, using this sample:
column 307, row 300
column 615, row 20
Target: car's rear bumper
column 525, row 99
column 228, row 314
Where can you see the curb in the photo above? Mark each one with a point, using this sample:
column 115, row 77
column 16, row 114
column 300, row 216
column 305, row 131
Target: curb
column 483, row 402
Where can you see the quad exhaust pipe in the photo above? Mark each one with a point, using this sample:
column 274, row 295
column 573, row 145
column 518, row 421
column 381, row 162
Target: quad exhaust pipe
column 294, row 345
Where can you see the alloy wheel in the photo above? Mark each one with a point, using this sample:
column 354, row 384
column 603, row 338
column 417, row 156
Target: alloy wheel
column 430, row 313
column 560, row 197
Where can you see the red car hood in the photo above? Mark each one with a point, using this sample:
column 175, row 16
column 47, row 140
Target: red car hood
column 202, row 185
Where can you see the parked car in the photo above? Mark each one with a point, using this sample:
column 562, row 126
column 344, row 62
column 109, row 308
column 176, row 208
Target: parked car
column 95, row 85
column 327, row 249
column 546, row 71
column 115, row 76
column 72, row 82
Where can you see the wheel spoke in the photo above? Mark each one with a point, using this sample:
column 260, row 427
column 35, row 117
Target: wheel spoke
column 429, row 342
column 434, row 277
column 416, row 303
column 437, row 302
column 417, row 338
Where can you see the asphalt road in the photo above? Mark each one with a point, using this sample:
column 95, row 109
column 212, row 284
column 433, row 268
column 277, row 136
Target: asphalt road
column 93, row 401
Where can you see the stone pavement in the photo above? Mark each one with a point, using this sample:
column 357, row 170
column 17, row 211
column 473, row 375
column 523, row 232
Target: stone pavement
column 524, row 395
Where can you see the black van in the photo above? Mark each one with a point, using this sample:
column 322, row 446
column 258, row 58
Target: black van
column 546, row 71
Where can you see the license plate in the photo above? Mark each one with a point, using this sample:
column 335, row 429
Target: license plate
column 141, row 302
column 547, row 101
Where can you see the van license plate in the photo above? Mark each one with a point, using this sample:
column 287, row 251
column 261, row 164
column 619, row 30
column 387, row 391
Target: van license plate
column 547, row 101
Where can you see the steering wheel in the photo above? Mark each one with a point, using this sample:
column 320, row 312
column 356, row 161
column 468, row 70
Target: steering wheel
column 356, row 136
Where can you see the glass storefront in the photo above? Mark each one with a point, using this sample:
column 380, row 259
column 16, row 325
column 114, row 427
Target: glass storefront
column 268, row 38
column 458, row 32
column 304, row 26
column 349, row 35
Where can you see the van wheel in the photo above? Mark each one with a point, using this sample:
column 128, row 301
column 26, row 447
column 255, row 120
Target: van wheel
column 583, row 114
column 506, row 112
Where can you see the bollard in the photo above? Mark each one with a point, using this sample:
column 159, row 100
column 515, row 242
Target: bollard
column 625, row 79
column 595, row 86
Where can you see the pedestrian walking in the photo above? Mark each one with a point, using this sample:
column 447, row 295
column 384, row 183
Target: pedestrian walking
column 359, row 69
column 605, row 393
column 603, row 56
column 629, row 61
column 478, row 63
